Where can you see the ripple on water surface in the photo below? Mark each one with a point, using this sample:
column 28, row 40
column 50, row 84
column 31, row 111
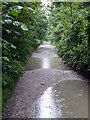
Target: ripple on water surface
column 67, row 99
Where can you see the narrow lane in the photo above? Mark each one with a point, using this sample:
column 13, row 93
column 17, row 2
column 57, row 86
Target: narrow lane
column 48, row 89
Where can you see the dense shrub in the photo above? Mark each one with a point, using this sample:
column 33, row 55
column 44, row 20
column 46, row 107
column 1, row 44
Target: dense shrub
column 68, row 31
column 23, row 28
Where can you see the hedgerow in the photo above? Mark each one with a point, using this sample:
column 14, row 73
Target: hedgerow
column 69, row 31
column 23, row 28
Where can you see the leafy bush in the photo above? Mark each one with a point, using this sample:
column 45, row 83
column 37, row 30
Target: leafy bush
column 69, row 33
column 23, row 28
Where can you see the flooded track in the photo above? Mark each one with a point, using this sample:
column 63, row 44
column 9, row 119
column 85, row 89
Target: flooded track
column 67, row 99
column 49, row 63
column 48, row 89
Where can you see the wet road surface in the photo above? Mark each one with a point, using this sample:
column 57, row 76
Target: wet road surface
column 67, row 99
column 48, row 89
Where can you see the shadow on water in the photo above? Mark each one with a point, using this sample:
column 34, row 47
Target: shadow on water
column 42, row 63
column 67, row 99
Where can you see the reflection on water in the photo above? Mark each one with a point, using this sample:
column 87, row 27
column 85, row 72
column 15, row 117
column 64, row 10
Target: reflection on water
column 49, row 108
column 46, row 50
column 45, row 63
column 41, row 63
column 67, row 99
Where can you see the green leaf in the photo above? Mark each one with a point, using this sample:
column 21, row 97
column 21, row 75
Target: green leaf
column 24, row 27
column 17, row 7
column 3, row 6
column 6, row 58
column 8, row 21
column 4, row 83
column 7, row 16
column 29, row 8
column 15, row 12
column 16, row 23
column 8, row 31
column 5, row 52
column 2, row 22
column 12, row 46
column 18, row 33
column 4, row 2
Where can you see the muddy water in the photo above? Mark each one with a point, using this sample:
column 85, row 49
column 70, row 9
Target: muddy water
column 67, row 99
column 45, row 57
column 46, row 50
column 49, row 63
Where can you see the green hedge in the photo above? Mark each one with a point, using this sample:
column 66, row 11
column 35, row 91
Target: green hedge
column 23, row 28
column 69, row 31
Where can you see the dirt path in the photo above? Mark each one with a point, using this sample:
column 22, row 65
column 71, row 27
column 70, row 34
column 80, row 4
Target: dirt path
column 41, row 72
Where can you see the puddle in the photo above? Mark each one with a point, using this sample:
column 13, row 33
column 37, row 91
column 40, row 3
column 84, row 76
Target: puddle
column 46, row 50
column 46, row 44
column 44, row 63
column 67, row 99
